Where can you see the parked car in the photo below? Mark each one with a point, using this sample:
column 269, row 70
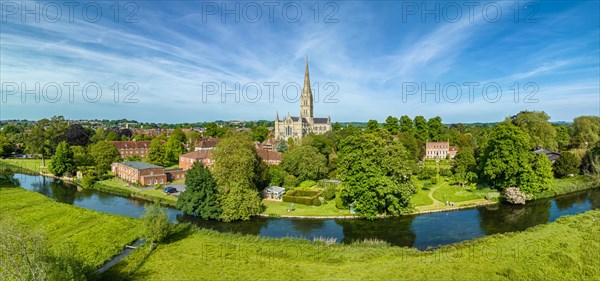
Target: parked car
column 169, row 190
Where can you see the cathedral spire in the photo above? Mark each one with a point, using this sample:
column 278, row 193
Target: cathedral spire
column 306, row 99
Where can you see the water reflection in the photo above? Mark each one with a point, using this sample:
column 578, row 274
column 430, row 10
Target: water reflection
column 419, row 231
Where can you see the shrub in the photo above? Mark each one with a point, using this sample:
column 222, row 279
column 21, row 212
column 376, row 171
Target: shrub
column 329, row 192
column 427, row 185
column 308, row 184
column 290, row 181
column 445, row 172
column 567, row 163
column 514, row 195
column 339, row 203
column 305, row 197
column 87, row 181
column 426, row 173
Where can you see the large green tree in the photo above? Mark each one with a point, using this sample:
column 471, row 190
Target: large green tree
column 464, row 166
column 6, row 145
column 40, row 140
column 157, row 154
column 173, row 148
column 200, row 196
column 568, row 163
column 104, row 154
column 375, row 175
column 436, row 130
column 421, row 129
column 506, row 160
column 536, row 125
column 63, row 160
column 586, row 131
column 392, row 125
column 305, row 162
column 406, row 125
column 237, row 170
column 260, row 133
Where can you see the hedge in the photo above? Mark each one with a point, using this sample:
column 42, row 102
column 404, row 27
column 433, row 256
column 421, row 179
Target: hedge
column 305, row 197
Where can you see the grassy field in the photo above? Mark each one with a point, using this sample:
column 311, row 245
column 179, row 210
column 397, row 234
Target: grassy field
column 446, row 192
column 117, row 186
column 566, row 185
column 421, row 198
column 97, row 236
column 277, row 208
column 32, row 165
column 567, row 249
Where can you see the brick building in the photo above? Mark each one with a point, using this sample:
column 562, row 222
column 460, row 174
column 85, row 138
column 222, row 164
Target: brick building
column 140, row 172
column 206, row 143
column 268, row 156
column 186, row 161
column 130, row 148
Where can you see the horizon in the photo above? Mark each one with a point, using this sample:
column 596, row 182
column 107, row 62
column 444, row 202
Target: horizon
column 367, row 60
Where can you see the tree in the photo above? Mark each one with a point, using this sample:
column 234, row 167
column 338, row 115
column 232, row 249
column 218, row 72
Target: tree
column 563, row 138
column 464, row 166
column 6, row 146
column 237, row 170
column 305, row 162
column 62, row 161
column 406, row 125
column 436, row 130
column 200, row 196
column 543, row 175
column 39, row 140
column 99, row 135
column 213, row 130
column 568, row 163
column 536, row 125
column 282, row 146
column 124, row 134
column 372, row 126
column 156, row 224
column 104, row 154
column 77, row 135
column 276, row 175
column 375, row 175
column 506, row 159
column 586, row 131
column 421, row 129
column 391, row 125
column 173, row 148
column 157, row 154
column 178, row 135
column 112, row 136
column 336, row 126
column 260, row 133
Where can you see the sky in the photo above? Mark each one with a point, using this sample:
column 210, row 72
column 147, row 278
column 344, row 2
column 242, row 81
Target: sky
column 196, row 61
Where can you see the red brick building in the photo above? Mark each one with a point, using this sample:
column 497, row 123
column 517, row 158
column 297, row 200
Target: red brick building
column 186, row 161
column 130, row 148
column 140, row 172
column 268, row 156
column 206, row 144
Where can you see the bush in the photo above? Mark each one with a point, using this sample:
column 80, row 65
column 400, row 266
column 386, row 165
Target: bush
column 426, row 173
column 329, row 192
column 308, row 184
column 427, row 185
column 290, row 182
column 445, row 172
column 515, row 196
column 567, row 164
column 339, row 203
column 87, row 181
column 305, row 197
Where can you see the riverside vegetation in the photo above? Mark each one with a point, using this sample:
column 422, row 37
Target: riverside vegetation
column 543, row 252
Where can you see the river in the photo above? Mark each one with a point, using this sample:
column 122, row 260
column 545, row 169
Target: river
column 423, row 231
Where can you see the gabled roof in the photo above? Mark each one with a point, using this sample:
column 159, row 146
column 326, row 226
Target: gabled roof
column 320, row 120
column 140, row 165
column 198, row 154
column 268, row 155
column 131, row 144
column 206, row 143
column 552, row 155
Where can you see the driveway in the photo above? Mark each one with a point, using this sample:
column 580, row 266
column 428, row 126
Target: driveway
column 180, row 188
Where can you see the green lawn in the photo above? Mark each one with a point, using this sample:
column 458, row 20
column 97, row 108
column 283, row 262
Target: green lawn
column 564, row 250
column 454, row 193
column 566, row 185
column 117, row 186
column 33, row 165
column 421, row 198
column 96, row 236
column 279, row 208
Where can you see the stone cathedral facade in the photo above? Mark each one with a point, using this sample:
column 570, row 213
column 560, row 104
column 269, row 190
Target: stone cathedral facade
column 296, row 127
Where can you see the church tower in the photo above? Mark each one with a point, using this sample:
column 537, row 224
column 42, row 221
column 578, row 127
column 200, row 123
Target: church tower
column 306, row 99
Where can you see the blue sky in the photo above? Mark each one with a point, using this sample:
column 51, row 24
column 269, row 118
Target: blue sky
column 367, row 60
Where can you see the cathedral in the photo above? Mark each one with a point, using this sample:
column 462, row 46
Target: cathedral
column 296, row 127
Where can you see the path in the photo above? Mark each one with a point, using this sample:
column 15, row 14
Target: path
column 128, row 249
column 430, row 195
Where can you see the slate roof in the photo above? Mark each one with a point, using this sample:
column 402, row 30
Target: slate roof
column 140, row 165
column 552, row 155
